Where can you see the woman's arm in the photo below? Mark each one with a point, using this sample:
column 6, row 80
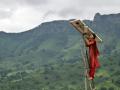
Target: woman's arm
column 89, row 42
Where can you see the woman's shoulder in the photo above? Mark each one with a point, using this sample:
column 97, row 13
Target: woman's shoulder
column 92, row 41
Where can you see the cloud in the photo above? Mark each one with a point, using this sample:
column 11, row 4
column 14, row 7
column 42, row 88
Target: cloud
column 5, row 13
column 21, row 20
column 34, row 2
column 22, row 15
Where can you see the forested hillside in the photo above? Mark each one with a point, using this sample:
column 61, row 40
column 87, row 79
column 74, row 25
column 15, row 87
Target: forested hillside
column 48, row 57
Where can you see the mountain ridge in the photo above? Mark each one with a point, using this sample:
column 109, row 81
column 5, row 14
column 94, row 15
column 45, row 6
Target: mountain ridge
column 46, row 49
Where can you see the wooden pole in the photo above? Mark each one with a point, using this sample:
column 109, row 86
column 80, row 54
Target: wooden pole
column 82, row 28
column 85, row 67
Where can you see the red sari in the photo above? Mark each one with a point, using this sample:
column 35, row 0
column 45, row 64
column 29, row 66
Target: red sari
column 93, row 57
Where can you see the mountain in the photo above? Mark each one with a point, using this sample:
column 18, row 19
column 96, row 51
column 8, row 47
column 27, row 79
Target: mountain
column 52, row 50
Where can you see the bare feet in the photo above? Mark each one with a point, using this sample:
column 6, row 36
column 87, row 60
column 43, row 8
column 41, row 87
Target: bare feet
column 90, row 78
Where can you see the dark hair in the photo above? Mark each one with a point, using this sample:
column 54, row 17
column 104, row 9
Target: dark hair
column 94, row 36
column 84, row 34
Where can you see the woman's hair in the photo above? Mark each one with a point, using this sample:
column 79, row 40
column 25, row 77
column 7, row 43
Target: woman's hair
column 84, row 34
column 94, row 36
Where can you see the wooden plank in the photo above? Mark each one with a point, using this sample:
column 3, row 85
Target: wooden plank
column 82, row 28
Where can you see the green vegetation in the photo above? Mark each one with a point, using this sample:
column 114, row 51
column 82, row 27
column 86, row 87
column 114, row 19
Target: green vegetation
column 48, row 57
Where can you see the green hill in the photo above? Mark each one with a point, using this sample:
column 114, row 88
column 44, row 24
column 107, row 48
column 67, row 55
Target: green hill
column 48, row 57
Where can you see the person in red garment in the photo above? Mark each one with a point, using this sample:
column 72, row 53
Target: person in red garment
column 93, row 54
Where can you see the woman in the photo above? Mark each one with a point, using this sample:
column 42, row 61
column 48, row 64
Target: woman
column 93, row 54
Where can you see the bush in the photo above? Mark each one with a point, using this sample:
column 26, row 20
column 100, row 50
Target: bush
column 103, row 88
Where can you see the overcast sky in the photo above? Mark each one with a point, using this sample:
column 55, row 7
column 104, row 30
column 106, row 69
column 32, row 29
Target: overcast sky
column 22, row 15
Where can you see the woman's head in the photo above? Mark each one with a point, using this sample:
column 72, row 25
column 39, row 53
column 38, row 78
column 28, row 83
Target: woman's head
column 92, row 35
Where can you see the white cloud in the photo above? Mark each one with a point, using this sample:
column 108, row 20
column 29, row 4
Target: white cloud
column 22, row 15
column 21, row 20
